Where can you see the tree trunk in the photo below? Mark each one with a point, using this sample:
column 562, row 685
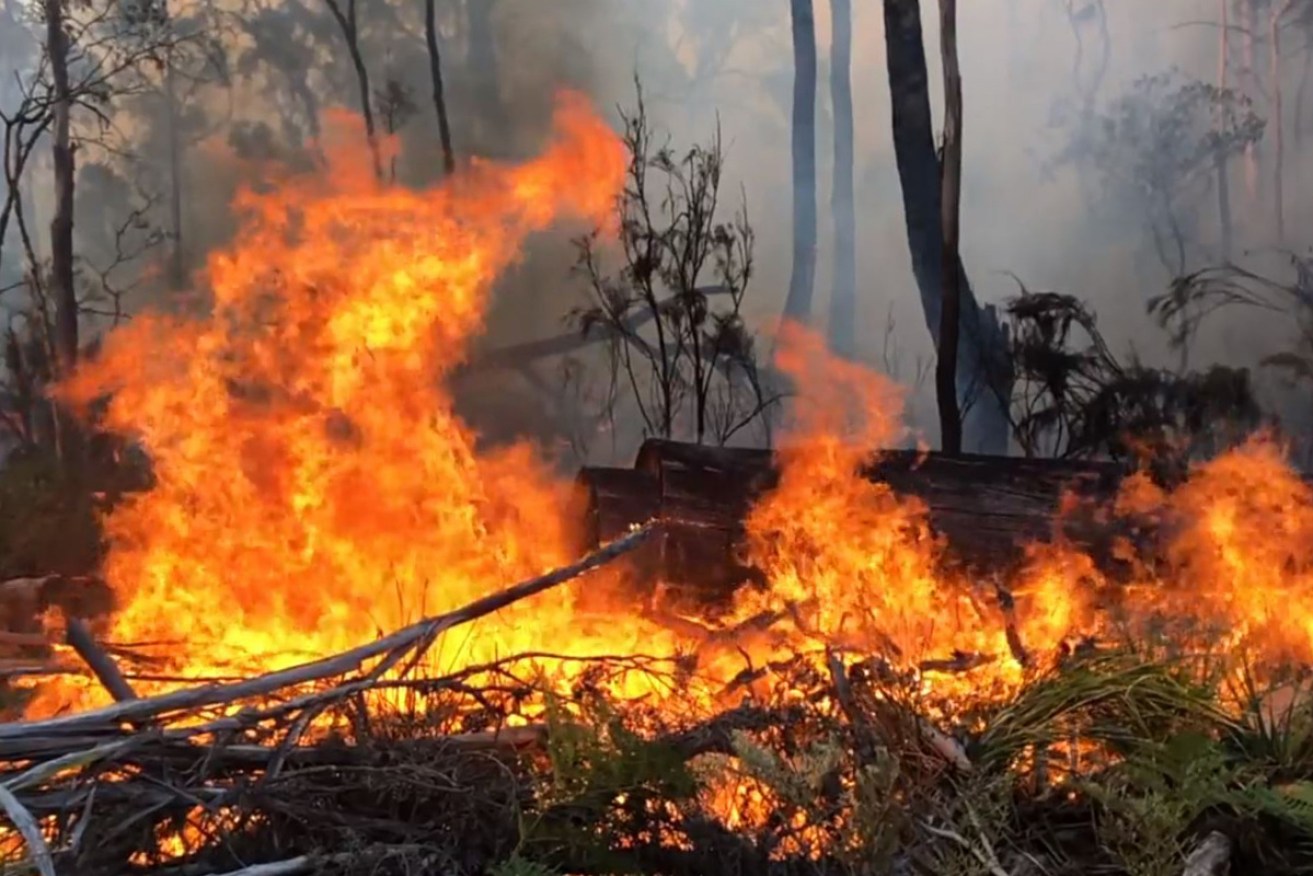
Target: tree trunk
column 799, row 303
column 61, row 225
column 1301, row 98
column 177, row 264
column 984, row 373
column 1278, row 121
column 483, row 67
column 843, row 299
column 950, row 415
column 349, row 25
column 1251, row 70
column 439, row 98
column 1219, row 160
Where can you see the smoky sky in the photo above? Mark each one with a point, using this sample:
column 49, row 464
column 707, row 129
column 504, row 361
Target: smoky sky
column 1029, row 68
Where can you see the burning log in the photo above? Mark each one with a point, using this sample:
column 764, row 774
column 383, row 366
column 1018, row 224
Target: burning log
column 987, row 508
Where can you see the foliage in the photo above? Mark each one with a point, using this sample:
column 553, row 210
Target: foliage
column 689, row 363
column 1192, row 298
column 1074, row 398
column 604, row 781
column 1156, row 148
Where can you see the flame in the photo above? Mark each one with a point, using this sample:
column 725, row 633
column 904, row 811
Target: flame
column 313, row 485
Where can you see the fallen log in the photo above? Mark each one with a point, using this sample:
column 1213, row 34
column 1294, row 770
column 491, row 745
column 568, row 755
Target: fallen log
column 986, row 508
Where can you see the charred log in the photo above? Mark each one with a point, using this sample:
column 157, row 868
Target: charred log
column 986, row 508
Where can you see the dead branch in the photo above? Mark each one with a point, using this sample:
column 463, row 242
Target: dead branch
column 79, row 638
column 392, row 648
column 27, row 826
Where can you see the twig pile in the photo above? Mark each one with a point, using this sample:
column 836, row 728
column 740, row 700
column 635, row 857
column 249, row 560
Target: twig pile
column 225, row 762
column 358, row 764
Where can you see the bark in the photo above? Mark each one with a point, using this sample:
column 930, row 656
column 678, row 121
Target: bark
column 1220, row 163
column 798, row 306
column 843, row 298
column 950, row 415
column 349, row 25
column 61, row 225
column 483, row 65
column 1251, row 70
column 177, row 264
column 984, row 374
column 439, row 97
column 1278, row 121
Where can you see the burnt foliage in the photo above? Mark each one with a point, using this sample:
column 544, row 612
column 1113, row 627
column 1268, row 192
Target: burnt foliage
column 671, row 310
column 1075, row 398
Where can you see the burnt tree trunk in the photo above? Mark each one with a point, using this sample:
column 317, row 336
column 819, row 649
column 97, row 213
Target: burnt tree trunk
column 984, row 373
column 843, row 298
column 950, row 319
column 439, row 96
column 177, row 263
column 350, row 27
column 986, row 508
column 61, row 225
column 798, row 305
column 68, row 443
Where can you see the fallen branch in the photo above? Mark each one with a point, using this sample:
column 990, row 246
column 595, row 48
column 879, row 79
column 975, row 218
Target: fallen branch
column 517, row 356
column 79, row 638
column 983, row 853
column 392, row 648
column 27, row 826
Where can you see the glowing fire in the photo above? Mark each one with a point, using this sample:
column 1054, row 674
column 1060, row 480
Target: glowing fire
column 315, row 486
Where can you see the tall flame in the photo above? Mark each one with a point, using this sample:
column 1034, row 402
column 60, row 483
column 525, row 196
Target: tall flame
column 314, row 485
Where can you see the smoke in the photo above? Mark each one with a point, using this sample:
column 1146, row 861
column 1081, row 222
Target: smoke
column 1030, row 68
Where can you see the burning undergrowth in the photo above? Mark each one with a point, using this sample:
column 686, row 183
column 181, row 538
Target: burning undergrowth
column 867, row 709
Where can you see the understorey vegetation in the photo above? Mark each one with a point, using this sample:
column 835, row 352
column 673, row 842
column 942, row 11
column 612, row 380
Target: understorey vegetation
column 1115, row 758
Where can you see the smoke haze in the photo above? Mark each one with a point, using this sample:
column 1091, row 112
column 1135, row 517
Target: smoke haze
column 1027, row 65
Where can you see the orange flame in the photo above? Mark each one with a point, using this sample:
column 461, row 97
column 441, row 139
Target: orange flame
column 314, row 485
